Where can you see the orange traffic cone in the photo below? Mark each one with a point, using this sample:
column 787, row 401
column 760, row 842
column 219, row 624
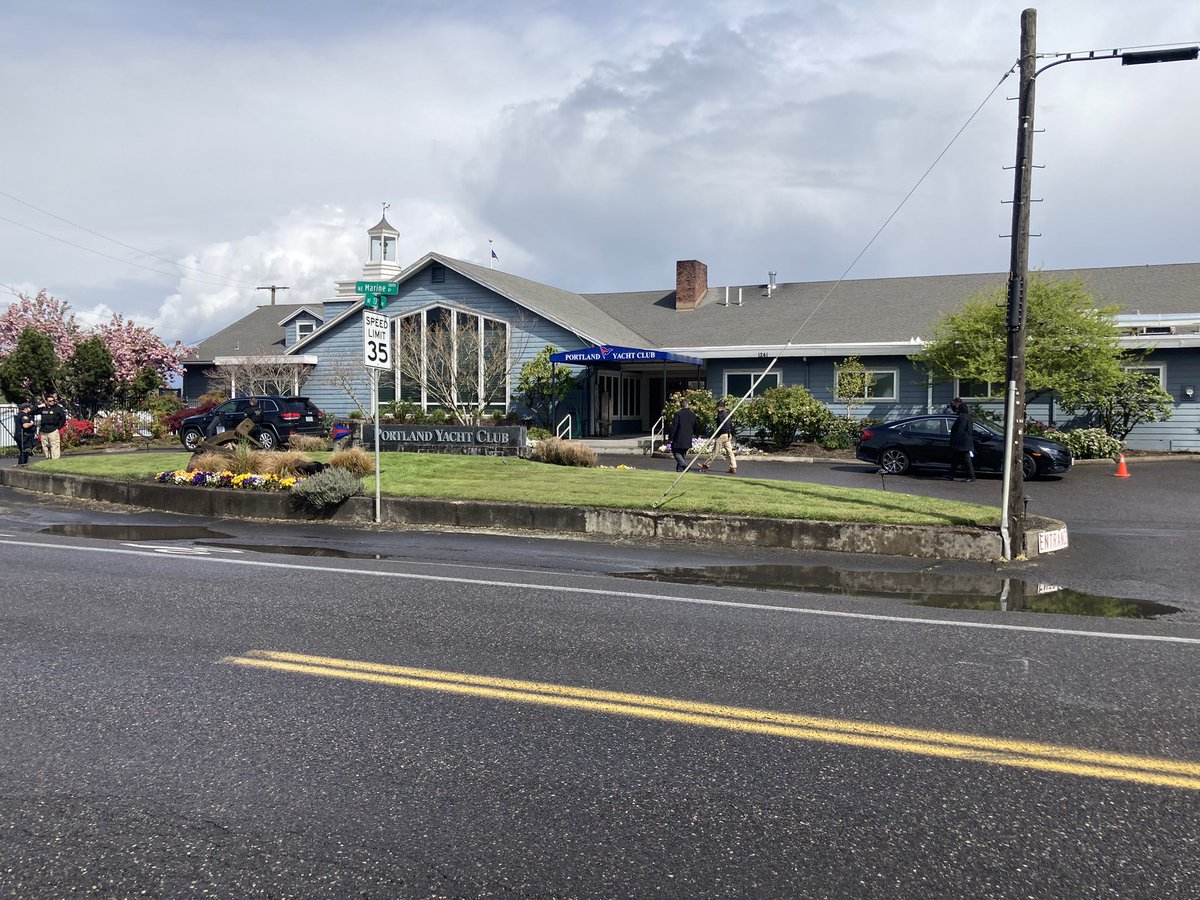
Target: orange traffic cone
column 1122, row 471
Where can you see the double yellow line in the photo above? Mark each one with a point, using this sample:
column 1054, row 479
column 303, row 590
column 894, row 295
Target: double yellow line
column 967, row 747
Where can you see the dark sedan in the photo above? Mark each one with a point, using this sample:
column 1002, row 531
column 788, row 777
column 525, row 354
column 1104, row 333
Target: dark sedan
column 924, row 441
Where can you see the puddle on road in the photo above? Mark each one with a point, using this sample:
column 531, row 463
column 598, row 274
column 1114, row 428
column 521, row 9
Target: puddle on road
column 298, row 551
column 982, row 592
column 135, row 532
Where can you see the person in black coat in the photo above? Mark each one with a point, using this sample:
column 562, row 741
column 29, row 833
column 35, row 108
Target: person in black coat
column 683, row 430
column 26, row 433
column 962, row 444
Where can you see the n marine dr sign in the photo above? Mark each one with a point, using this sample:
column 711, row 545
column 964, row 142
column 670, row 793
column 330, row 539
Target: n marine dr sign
column 377, row 340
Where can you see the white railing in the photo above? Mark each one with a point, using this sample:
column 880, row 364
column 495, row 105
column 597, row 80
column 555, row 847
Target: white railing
column 658, row 433
column 8, row 425
column 560, row 430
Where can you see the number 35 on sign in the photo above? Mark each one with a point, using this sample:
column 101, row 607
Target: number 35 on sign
column 377, row 347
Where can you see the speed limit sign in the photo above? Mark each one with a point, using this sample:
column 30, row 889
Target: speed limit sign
column 377, row 344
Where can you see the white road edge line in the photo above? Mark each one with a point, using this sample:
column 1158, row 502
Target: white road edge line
column 566, row 589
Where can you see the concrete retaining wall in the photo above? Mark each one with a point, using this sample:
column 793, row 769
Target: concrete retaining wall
column 947, row 542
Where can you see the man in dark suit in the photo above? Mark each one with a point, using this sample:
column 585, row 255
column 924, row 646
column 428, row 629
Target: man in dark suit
column 683, row 430
column 962, row 444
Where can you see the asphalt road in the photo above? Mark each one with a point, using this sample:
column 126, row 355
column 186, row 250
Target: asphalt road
column 1136, row 537
column 182, row 715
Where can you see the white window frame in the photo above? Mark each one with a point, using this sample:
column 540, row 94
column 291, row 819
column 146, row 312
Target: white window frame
column 1145, row 369
column 997, row 386
column 304, row 329
column 454, row 313
column 874, row 398
column 753, row 373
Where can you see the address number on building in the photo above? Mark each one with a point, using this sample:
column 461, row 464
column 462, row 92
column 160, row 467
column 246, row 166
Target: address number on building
column 377, row 343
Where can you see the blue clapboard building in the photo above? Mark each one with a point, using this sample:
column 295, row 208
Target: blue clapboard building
column 626, row 352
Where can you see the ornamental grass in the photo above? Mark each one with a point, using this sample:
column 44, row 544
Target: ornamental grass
column 356, row 461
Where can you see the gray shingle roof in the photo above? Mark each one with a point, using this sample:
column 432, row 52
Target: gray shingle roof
column 568, row 309
column 870, row 310
column 258, row 333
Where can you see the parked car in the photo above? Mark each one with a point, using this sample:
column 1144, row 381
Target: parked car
column 282, row 418
column 924, row 441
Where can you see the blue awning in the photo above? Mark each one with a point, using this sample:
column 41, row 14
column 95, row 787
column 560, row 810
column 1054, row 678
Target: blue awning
column 610, row 354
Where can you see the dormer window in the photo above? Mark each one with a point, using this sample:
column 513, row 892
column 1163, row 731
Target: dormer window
column 304, row 329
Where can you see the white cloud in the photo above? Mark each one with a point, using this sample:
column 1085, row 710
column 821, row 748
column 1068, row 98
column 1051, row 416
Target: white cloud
column 597, row 143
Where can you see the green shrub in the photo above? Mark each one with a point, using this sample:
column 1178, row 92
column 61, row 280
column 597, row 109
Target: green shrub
column 122, row 425
column 162, row 407
column 781, row 414
column 565, row 453
column 326, row 490
column 538, row 433
column 402, row 411
column 702, row 402
column 1088, row 443
column 839, row 433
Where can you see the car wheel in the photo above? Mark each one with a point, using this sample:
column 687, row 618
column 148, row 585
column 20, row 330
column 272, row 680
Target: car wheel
column 894, row 461
column 190, row 438
column 267, row 439
column 1029, row 469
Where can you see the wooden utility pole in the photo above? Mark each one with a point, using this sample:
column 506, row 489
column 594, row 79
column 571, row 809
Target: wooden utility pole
column 273, row 288
column 1018, row 277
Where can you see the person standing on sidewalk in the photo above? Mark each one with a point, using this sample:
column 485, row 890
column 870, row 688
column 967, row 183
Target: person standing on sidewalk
column 722, row 440
column 962, row 444
column 54, row 417
column 26, row 433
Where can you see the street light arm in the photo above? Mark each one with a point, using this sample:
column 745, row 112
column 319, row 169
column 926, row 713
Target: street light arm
column 1128, row 57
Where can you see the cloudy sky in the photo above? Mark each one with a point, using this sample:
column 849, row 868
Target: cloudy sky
column 163, row 159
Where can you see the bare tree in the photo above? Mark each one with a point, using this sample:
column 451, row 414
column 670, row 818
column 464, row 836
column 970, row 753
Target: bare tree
column 352, row 380
column 264, row 374
column 463, row 362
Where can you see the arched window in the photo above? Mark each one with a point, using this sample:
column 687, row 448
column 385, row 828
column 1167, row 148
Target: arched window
column 455, row 359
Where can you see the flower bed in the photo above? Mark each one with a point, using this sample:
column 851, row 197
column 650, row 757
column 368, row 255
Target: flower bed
column 241, row 482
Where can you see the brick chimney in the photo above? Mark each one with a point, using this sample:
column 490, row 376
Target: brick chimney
column 691, row 283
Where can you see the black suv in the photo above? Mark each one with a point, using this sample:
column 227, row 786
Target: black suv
column 282, row 417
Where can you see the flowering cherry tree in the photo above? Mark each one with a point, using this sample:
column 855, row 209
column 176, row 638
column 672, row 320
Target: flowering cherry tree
column 49, row 315
column 136, row 350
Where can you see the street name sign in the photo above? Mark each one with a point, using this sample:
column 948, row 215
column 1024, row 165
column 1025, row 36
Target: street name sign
column 375, row 293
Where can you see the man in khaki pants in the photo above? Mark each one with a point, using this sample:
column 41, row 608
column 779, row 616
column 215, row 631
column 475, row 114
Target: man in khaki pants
column 54, row 417
column 722, row 440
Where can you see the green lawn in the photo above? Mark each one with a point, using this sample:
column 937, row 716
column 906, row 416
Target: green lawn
column 518, row 480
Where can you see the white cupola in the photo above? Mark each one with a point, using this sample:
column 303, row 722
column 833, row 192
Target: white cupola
column 381, row 252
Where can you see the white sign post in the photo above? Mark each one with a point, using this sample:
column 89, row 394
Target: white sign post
column 377, row 355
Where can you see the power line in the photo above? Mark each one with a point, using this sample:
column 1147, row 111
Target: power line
column 115, row 241
column 106, row 255
column 750, row 392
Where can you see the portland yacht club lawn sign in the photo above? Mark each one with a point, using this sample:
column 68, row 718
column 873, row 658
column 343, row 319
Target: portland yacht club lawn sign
column 488, row 440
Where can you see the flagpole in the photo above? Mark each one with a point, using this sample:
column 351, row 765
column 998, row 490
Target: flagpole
column 491, row 255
